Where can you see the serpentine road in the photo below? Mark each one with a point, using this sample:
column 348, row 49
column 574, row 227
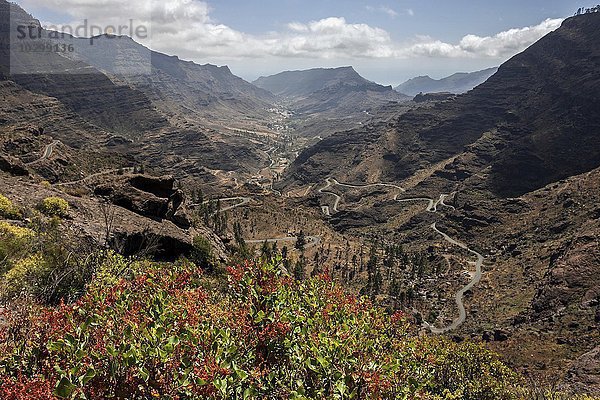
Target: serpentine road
column 462, row 313
column 243, row 202
column 432, row 207
column 334, row 182
column 314, row 240
column 47, row 152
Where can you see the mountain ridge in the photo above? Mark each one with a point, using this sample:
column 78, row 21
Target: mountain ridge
column 301, row 83
column 457, row 83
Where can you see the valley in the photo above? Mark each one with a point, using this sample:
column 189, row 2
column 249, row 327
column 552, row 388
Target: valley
column 471, row 211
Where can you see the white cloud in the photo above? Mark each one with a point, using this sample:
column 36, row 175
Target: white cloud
column 410, row 12
column 185, row 28
column 503, row 44
column 508, row 42
column 384, row 9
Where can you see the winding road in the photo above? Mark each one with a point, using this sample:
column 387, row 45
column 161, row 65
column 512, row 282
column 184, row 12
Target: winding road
column 462, row 313
column 243, row 202
column 432, row 207
column 314, row 240
column 334, row 182
column 48, row 150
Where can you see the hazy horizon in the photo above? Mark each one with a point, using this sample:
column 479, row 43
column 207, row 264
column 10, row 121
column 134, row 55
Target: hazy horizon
column 387, row 42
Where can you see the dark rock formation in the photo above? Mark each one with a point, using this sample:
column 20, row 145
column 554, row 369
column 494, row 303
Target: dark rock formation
column 13, row 166
column 153, row 197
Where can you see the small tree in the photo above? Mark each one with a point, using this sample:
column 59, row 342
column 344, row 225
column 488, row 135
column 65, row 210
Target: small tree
column 301, row 241
column 202, row 253
column 299, row 268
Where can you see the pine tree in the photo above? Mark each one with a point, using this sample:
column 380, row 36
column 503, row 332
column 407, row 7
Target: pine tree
column 300, row 241
column 299, row 269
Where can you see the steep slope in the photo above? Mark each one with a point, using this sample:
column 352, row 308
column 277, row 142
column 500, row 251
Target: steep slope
column 175, row 86
column 82, row 89
column 145, row 114
column 457, row 83
column 532, row 123
column 542, row 282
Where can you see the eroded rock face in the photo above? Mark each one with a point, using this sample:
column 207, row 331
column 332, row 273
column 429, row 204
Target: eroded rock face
column 572, row 278
column 152, row 197
column 584, row 374
column 13, row 166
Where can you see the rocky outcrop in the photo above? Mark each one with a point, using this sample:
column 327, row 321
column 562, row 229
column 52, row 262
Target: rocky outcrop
column 152, row 197
column 100, row 222
column 13, row 166
column 584, row 374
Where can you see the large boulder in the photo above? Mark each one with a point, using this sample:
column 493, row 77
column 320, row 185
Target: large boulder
column 152, row 197
column 13, row 166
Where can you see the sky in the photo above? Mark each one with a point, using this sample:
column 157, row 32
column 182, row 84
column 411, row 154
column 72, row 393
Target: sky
column 387, row 41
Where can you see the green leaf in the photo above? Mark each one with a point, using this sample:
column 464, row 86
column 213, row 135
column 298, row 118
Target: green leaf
column 259, row 317
column 64, row 388
column 341, row 388
column 241, row 374
column 324, row 363
column 79, row 354
column 88, row 376
column 55, row 346
column 201, row 382
column 144, row 374
column 249, row 393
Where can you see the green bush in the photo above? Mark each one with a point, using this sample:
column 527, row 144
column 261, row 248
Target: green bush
column 8, row 209
column 159, row 333
column 202, row 253
column 54, row 207
column 44, row 262
column 23, row 277
column 15, row 243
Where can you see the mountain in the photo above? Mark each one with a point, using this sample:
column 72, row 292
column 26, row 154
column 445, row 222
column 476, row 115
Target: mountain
column 164, row 116
column 174, row 86
column 326, row 89
column 300, row 84
column 457, row 83
column 517, row 159
column 530, row 124
column 328, row 100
